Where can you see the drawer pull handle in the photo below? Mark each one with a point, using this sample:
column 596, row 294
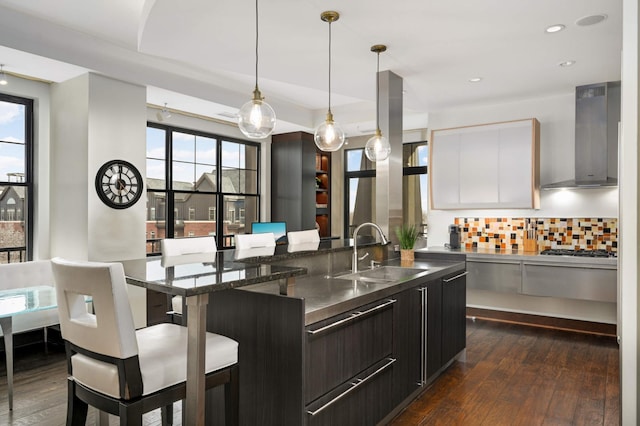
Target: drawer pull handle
column 354, row 385
column 448, row 280
column 351, row 317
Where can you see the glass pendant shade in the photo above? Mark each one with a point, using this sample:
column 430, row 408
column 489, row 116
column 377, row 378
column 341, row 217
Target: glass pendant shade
column 256, row 118
column 377, row 147
column 329, row 136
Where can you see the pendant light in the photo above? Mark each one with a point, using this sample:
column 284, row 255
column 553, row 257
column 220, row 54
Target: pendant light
column 329, row 136
column 378, row 147
column 3, row 76
column 256, row 118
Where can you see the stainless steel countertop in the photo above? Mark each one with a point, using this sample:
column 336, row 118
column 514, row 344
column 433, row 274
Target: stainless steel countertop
column 325, row 297
column 529, row 258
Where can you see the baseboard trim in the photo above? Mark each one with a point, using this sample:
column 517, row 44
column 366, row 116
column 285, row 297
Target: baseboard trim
column 579, row 326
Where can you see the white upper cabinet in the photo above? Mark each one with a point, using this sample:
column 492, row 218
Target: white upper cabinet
column 485, row 166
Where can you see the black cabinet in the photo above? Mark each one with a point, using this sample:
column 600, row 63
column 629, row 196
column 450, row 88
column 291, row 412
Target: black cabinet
column 454, row 326
column 349, row 364
column 157, row 307
column 293, row 180
column 300, row 183
column 354, row 368
column 430, row 331
column 418, row 337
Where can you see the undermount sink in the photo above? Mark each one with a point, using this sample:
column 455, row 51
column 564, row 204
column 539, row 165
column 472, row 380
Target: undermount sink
column 383, row 274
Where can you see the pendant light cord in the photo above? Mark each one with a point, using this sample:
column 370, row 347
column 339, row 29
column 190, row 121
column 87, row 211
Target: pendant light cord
column 256, row 44
column 329, row 66
column 378, row 93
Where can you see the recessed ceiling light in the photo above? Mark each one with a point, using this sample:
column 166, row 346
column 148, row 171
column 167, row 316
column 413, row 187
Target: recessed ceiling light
column 566, row 63
column 591, row 20
column 555, row 28
column 475, row 80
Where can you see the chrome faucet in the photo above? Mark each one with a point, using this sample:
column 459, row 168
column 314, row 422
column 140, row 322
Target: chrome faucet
column 383, row 241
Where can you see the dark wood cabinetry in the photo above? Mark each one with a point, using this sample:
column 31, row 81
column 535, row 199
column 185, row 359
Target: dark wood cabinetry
column 431, row 331
column 418, row 337
column 349, row 361
column 300, row 183
column 353, row 368
column 454, row 326
column 157, row 307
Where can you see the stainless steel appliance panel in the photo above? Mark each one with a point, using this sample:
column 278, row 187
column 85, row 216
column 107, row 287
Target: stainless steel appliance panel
column 501, row 277
column 569, row 281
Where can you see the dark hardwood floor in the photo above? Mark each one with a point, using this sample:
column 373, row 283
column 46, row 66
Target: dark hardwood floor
column 522, row 375
column 513, row 375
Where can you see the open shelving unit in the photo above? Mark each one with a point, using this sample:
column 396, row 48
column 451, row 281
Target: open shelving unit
column 323, row 193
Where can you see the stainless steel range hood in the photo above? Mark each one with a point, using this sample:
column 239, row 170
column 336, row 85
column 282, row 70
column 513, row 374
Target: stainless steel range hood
column 596, row 150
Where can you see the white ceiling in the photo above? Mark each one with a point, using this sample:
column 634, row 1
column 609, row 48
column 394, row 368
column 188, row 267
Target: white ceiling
column 198, row 55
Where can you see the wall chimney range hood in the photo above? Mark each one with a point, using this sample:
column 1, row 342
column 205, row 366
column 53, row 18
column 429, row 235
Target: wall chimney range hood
column 596, row 149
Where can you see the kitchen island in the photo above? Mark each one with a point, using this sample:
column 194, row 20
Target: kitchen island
column 334, row 350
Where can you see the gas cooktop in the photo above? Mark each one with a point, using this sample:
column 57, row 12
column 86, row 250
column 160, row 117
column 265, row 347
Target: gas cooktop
column 580, row 253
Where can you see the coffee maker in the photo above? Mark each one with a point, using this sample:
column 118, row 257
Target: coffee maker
column 454, row 236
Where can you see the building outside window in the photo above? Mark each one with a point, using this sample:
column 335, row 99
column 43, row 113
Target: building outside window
column 16, row 179
column 204, row 176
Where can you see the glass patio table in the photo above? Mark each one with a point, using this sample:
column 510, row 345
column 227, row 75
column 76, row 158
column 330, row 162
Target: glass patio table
column 20, row 301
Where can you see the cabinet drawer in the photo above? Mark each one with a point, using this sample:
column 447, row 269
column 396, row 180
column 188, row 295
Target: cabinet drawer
column 500, row 277
column 363, row 400
column 342, row 347
column 570, row 282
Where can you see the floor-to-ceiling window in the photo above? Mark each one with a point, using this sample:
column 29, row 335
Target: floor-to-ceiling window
column 16, row 179
column 199, row 184
column 360, row 190
column 415, row 184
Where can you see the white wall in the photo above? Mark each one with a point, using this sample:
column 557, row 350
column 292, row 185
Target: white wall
column 557, row 128
column 116, row 130
column 629, row 196
column 96, row 119
column 69, row 174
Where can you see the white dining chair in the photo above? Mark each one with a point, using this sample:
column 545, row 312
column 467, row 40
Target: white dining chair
column 308, row 240
column 179, row 251
column 252, row 241
column 118, row 369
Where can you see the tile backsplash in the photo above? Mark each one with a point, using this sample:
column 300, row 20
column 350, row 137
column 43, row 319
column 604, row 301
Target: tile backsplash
column 509, row 233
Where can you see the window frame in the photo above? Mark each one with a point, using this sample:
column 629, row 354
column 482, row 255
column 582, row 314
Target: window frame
column 366, row 173
column 218, row 193
column 371, row 173
column 29, row 178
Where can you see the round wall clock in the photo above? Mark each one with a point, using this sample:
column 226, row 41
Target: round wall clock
column 119, row 184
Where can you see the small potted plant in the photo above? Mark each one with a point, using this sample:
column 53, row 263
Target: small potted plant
column 408, row 235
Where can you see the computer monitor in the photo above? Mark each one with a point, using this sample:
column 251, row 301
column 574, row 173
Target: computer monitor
column 279, row 230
